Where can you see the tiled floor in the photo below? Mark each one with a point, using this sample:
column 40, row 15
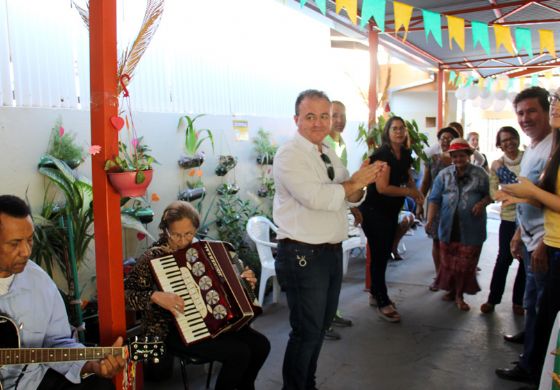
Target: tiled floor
column 434, row 347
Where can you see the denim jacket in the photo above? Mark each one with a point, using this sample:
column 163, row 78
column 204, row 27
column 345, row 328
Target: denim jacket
column 452, row 197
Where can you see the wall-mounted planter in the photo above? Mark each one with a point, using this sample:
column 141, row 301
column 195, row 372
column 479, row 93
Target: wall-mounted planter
column 190, row 194
column 225, row 164
column 264, row 159
column 262, row 192
column 229, row 189
column 187, row 162
column 133, row 183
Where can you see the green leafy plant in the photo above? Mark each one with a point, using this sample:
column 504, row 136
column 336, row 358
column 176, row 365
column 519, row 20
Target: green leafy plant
column 372, row 136
column 264, row 147
column 193, row 137
column 418, row 142
column 62, row 145
column 232, row 214
column 138, row 159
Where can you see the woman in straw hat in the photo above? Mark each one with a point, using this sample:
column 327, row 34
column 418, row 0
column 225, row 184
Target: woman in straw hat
column 460, row 194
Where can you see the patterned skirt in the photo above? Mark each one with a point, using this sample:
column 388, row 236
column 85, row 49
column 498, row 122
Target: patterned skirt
column 457, row 269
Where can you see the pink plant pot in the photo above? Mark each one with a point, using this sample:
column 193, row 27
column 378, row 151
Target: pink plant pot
column 125, row 183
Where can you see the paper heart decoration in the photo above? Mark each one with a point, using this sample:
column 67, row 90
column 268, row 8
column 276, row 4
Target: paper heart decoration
column 117, row 122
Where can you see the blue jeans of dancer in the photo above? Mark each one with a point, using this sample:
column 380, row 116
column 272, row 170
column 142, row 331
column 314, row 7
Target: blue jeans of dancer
column 503, row 262
column 534, row 287
column 311, row 275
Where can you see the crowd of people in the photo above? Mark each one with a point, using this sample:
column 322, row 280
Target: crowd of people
column 314, row 194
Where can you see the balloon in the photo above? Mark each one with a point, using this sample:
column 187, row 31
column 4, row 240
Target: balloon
column 485, row 93
column 511, row 95
column 499, row 104
column 476, row 102
column 500, row 95
column 473, row 92
column 461, row 93
column 485, row 103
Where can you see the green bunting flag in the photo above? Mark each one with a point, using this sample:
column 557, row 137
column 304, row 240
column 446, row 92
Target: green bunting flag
column 480, row 35
column 452, row 76
column 322, row 5
column 375, row 9
column 523, row 40
column 534, row 80
column 432, row 24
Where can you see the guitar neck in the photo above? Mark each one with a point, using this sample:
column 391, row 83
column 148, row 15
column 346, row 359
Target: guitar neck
column 10, row 356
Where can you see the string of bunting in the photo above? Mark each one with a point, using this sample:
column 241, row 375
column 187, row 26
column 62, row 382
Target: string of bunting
column 432, row 26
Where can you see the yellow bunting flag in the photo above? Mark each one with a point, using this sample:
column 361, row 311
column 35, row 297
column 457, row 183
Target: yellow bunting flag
column 503, row 37
column 351, row 8
column 547, row 42
column 481, row 83
column 456, row 30
column 403, row 13
column 521, row 83
column 548, row 75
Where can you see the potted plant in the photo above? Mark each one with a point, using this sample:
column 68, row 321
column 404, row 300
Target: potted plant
column 193, row 142
column 225, row 164
column 130, row 172
column 62, row 145
column 227, row 188
column 264, row 147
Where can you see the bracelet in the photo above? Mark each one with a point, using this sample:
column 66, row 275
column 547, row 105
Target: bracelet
column 86, row 375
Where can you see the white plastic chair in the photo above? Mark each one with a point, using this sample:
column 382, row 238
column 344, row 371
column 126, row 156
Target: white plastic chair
column 258, row 229
column 349, row 244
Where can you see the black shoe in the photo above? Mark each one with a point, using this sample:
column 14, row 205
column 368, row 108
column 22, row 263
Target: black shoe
column 340, row 321
column 518, row 338
column 530, row 387
column 330, row 334
column 517, row 374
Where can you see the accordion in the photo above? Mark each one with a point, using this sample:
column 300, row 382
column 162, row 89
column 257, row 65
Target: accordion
column 206, row 276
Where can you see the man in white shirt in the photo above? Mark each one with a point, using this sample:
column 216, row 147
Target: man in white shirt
column 313, row 193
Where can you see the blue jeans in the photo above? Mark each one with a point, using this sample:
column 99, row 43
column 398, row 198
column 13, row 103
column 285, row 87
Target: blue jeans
column 311, row 275
column 534, row 287
column 549, row 305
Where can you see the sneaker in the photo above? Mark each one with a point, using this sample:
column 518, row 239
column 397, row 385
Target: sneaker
column 340, row 321
column 331, row 334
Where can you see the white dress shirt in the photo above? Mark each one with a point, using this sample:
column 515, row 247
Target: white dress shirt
column 308, row 206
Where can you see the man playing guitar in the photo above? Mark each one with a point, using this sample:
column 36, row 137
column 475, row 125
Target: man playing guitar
column 31, row 300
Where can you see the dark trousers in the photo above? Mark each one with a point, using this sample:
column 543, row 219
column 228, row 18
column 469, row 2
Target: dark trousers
column 311, row 275
column 549, row 305
column 380, row 230
column 53, row 380
column 241, row 353
column 504, row 260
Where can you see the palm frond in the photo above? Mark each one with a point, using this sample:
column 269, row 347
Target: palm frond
column 130, row 57
column 84, row 13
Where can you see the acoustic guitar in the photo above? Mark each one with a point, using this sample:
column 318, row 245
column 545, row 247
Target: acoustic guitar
column 11, row 353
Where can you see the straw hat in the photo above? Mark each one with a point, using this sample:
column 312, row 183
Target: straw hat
column 459, row 144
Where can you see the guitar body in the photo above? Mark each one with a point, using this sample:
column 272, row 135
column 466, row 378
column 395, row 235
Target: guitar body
column 9, row 332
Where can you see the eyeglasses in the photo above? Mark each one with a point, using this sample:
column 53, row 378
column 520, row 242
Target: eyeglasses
column 328, row 164
column 554, row 98
column 180, row 236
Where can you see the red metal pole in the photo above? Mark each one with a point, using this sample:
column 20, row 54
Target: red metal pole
column 106, row 204
column 440, row 96
column 373, row 38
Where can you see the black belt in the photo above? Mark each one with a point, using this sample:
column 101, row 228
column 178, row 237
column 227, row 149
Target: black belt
column 327, row 246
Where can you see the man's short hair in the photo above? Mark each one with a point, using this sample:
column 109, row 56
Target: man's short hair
column 14, row 207
column 531, row 93
column 312, row 94
column 339, row 103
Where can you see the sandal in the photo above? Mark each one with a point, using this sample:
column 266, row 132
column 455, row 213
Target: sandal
column 462, row 305
column 449, row 297
column 433, row 287
column 392, row 316
column 373, row 301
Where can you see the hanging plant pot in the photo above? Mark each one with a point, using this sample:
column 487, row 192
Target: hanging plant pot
column 225, row 164
column 191, row 194
column 265, row 159
column 262, row 192
column 132, row 183
column 187, row 162
column 229, row 189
